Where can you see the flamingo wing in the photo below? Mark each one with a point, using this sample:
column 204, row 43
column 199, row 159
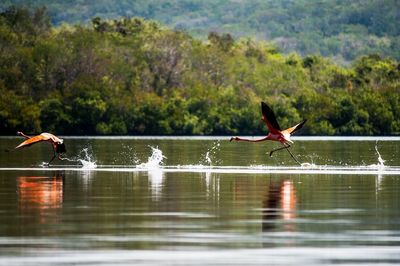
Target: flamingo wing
column 293, row 129
column 269, row 118
column 33, row 140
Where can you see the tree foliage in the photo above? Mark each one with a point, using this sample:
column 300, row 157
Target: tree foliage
column 133, row 76
column 341, row 29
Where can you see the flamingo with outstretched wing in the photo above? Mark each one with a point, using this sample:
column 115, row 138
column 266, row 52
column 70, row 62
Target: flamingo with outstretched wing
column 275, row 133
column 57, row 143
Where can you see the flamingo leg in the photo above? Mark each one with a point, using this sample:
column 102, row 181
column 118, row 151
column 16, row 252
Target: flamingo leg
column 54, row 156
column 278, row 149
column 287, row 148
column 291, row 154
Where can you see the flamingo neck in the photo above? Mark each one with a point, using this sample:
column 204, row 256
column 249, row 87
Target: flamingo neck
column 250, row 140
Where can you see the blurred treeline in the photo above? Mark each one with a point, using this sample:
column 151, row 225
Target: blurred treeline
column 341, row 29
column 132, row 76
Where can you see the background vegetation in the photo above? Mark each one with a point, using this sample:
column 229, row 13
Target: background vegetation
column 132, row 76
column 341, row 29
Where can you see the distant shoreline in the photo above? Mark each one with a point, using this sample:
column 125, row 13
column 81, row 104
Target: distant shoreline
column 300, row 138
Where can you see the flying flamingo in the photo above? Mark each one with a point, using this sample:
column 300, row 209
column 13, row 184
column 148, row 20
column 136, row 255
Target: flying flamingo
column 275, row 132
column 57, row 143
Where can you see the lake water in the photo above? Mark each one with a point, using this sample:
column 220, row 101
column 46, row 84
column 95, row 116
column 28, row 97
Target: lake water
column 201, row 201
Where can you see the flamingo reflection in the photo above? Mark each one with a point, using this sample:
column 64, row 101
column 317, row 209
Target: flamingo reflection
column 280, row 203
column 39, row 196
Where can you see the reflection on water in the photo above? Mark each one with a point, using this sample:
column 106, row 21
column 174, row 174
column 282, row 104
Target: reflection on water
column 156, row 176
column 279, row 203
column 40, row 196
column 143, row 218
column 212, row 184
column 226, row 214
column 288, row 200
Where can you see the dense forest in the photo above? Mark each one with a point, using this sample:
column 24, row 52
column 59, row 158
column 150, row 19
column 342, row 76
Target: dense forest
column 340, row 29
column 133, row 76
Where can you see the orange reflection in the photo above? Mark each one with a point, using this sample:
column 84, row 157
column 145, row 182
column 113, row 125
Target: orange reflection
column 40, row 195
column 280, row 202
column 288, row 200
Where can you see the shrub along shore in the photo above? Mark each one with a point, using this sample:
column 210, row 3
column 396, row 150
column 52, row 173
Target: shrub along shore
column 136, row 77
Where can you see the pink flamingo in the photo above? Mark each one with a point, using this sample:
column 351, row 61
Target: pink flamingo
column 57, row 143
column 275, row 132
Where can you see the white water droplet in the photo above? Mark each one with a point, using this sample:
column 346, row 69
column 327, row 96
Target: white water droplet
column 210, row 154
column 208, row 159
column 87, row 162
column 380, row 160
column 127, row 156
column 85, row 158
column 44, row 164
column 308, row 165
column 381, row 163
column 155, row 160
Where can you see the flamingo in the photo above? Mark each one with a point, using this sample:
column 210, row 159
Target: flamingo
column 57, row 143
column 275, row 132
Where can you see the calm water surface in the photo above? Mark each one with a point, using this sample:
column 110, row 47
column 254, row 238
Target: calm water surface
column 200, row 203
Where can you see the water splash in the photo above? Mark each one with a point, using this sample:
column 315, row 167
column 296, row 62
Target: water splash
column 381, row 162
column 44, row 164
column 85, row 158
column 308, row 165
column 155, row 160
column 211, row 154
column 88, row 161
column 208, row 158
column 381, row 166
column 127, row 156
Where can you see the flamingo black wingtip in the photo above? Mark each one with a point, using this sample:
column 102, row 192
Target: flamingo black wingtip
column 302, row 123
column 299, row 126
